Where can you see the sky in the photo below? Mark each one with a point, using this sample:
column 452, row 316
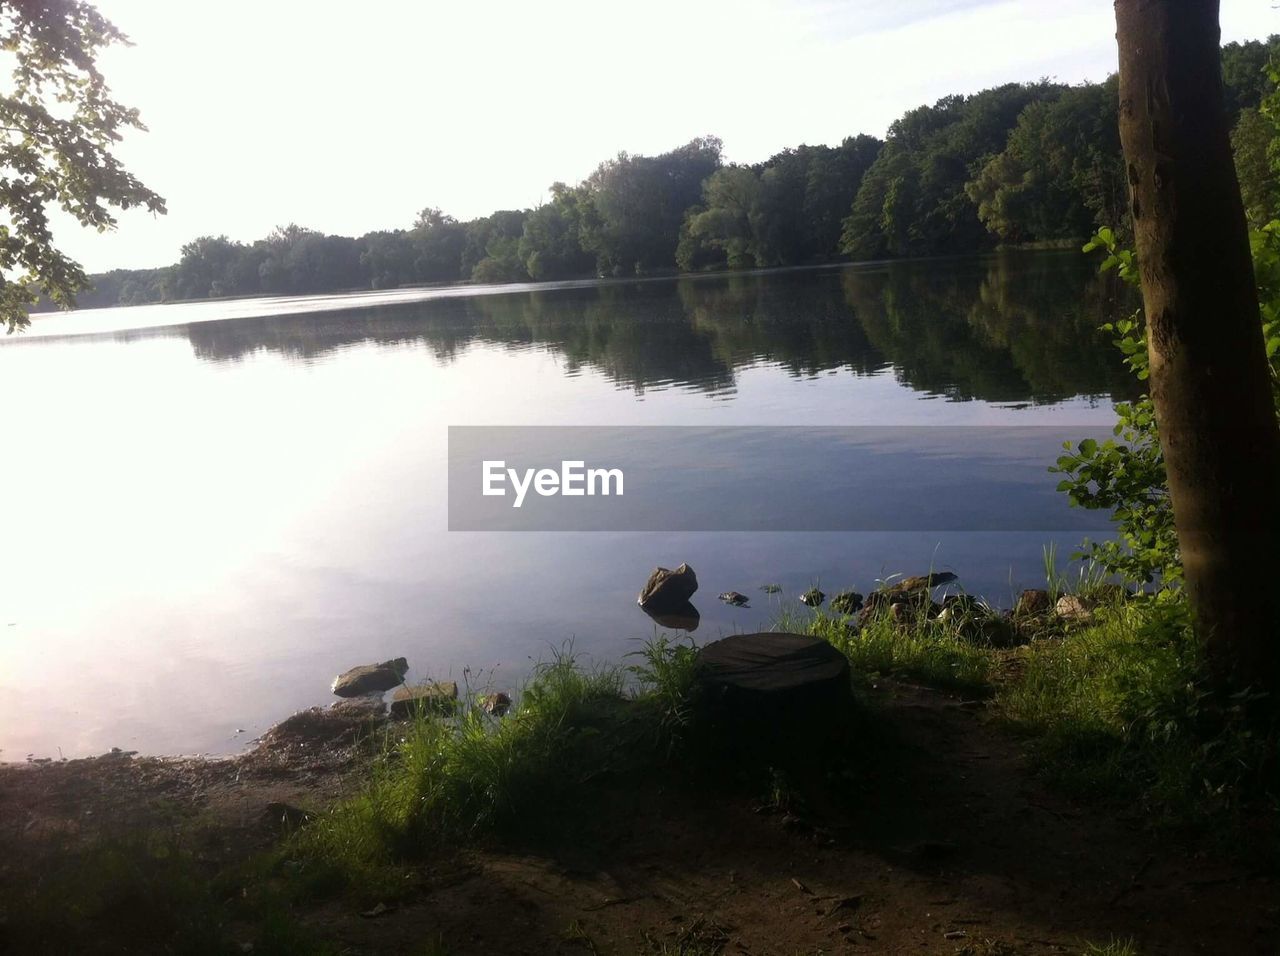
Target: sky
column 349, row 117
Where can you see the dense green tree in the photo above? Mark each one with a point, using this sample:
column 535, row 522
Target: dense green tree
column 438, row 242
column 551, row 244
column 913, row 201
column 387, row 259
column 720, row 233
column 1251, row 145
column 638, row 204
column 492, row 249
column 58, row 124
column 1059, row 175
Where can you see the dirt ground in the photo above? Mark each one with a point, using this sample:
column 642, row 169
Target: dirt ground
column 944, row 843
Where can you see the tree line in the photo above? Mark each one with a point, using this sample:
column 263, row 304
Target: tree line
column 1023, row 163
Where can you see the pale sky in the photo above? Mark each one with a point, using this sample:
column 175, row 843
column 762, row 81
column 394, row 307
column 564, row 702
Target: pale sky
column 349, row 117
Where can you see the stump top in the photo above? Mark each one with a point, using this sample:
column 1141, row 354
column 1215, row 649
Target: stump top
column 771, row 661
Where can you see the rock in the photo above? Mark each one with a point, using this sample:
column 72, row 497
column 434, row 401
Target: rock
column 735, row 598
column 497, row 704
column 683, row 618
column 667, row 590
column 847, row 602
column 812, row 597
column 913, row 588
column 358, row 708
column 1071, row 608
column 921, row 582
column 285, row 815
column 431, row 698
column 371, row 678
column 771, row 588
column 1032, row 602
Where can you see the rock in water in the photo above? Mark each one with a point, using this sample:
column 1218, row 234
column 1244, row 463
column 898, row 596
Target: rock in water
column 812, row 597
column 371, row 678
column 667, row 591
column 847, row 602
column 431, row 698
column 736, row 598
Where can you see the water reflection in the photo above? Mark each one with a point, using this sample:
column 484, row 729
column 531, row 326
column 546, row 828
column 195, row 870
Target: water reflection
column 1012, row 327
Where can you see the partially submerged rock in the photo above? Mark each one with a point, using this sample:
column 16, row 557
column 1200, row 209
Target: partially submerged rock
column 735, row 598
column 667, row 590
column 913, row 590
column 812, row 597
column 436, row 697
column 847, row 602
column 371, row 678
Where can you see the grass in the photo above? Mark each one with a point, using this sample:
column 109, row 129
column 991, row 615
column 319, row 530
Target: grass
column 445, row 781
column 1120, row 709
column 141, row 893
column 922, row 649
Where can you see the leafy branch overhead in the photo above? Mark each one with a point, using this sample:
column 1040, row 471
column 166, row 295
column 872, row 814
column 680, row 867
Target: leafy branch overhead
column 58, row 125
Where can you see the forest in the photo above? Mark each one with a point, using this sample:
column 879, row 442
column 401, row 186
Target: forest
column 1034, row 163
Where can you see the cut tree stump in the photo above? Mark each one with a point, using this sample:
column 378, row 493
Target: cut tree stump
column 771, row 689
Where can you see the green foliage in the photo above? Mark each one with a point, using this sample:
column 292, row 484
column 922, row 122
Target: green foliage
column 639, row 203
column 923, row 649
column 1122, row 708
column 912, row 200
column 1251, row 145
column 1125, row 474
column 445, row 780
column 58, row 124
column 784, row 211
column 666, row 674
column 1060, row 174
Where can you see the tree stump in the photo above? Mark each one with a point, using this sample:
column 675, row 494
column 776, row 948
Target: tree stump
column 774, row 693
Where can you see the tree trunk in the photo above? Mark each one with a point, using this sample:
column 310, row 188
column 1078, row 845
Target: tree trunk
column 1209, row 377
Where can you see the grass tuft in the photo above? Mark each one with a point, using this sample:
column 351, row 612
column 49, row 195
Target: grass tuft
column 922, row 649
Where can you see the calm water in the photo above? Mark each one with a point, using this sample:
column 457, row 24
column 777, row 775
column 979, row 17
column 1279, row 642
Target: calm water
column 207, row 519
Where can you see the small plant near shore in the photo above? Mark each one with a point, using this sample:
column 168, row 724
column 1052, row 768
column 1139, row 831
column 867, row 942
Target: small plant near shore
column 666, row 676
column 1089, row 580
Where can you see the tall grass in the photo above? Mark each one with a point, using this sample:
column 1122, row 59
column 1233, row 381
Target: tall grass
column 921, row 648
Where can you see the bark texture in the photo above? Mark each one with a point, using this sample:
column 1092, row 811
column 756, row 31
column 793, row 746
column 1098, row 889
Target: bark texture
column 1209, row 377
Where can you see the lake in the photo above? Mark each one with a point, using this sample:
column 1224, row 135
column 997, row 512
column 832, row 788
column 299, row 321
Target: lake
column 213, row 508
